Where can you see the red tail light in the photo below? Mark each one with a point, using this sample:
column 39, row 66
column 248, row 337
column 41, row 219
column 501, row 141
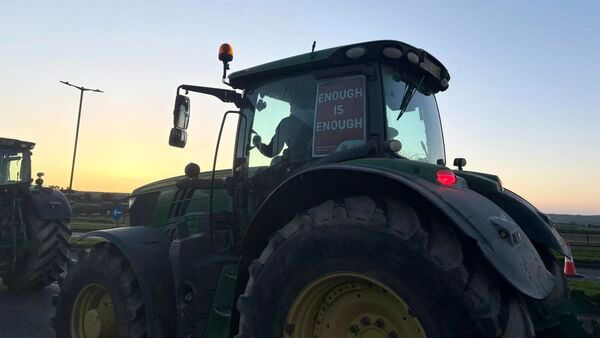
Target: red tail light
column 445, row 177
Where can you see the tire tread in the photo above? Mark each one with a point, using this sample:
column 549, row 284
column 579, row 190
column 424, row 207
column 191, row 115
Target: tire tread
column 425, row 233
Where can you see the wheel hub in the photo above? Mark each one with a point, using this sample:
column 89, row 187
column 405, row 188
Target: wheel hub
column 93, row 315
column 350, row 305
column 92, row 324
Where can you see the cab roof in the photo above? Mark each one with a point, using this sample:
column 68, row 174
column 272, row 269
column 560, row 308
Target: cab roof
column 14, row 143
column 336, row 56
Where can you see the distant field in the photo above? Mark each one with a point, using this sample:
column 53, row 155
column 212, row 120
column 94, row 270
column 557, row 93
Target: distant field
column 84, row 243
column 576, row 229
column 584, row 242
column 90, row 226
column 79, row 226
column 584, row 253
column 587, row 254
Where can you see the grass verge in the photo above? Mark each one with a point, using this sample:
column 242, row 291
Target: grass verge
column 583, row 253
column 89, row 226
column 85, row 243
column 589, row 287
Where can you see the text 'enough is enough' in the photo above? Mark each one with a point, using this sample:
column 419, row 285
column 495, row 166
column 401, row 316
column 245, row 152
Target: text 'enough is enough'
column 343, row 94
column 339, row 124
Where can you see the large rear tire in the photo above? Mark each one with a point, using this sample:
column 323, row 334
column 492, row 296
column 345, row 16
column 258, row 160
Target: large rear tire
column 47, row 257
column 100, row 297
column 356, row 268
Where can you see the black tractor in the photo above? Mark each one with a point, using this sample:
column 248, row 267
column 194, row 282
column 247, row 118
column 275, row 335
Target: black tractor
column 34, row 222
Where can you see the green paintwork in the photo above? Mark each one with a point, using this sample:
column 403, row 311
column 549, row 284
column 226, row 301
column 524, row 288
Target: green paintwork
column 198, row 206
column 333, row 57
column 481, row 181
column 287, row 62
column 14, row 242
column 219, row 322
column 157, row 186
column 423, row 170
column 16, row 246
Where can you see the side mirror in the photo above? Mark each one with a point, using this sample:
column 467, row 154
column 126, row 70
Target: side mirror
column 181, row 112
column 177, row 138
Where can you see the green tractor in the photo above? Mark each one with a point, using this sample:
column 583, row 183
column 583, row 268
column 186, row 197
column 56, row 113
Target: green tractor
column 339, row 218
column 34, row 222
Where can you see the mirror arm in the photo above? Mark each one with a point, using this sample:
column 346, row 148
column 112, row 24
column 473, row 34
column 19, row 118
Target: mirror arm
column 224, row 95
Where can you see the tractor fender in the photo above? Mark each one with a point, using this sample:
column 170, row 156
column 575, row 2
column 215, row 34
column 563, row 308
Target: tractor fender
column 147, row 251
column 534, row 223
column 50, row 204
column 501, row 241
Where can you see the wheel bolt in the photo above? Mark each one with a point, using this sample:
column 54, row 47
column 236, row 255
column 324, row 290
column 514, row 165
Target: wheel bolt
column 392, row 334
column 379, row 323
column 365, row 321
column 354, row 329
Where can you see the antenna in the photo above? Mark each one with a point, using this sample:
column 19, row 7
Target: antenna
column 312, row 52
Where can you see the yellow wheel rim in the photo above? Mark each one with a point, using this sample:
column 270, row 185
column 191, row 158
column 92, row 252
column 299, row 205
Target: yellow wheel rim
column 346, row 304
column 93, row 315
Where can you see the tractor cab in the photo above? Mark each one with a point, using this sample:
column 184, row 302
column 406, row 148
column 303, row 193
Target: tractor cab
column 373, row 99
column 15, row 161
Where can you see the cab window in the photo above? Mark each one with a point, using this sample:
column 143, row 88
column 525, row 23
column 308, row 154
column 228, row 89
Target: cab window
column 418, row 127
column 301, row 118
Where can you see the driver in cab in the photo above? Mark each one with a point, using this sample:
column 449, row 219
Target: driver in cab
column 295, row 131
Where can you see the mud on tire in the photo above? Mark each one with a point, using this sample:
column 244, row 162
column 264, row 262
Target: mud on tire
column 105, row 266
column 415, row 254
column 46, row 261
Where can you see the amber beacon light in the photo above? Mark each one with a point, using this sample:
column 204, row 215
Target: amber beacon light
column 226, row 52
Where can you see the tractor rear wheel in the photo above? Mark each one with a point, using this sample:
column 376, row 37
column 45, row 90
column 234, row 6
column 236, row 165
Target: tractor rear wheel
column 46, row 259
column 357, row 268
column 99, row 297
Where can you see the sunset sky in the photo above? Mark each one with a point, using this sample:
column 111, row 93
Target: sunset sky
column 523, row 102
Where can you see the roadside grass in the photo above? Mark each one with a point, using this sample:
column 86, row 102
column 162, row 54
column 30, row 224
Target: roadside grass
column 586, row 253
column 78, row 226
column 84, row 243
column 92, row 219
column 589, row 287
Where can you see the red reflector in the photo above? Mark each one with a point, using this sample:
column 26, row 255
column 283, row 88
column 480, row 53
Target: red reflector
column 445, row 177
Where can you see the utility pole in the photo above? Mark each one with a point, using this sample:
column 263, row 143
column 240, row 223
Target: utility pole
column 81, row 89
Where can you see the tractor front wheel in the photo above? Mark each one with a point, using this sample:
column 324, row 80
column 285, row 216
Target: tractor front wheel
column 357, row 268
column 99, row 297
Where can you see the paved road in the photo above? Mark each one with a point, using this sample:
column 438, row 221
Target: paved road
column 588, row 272
column 26, row 314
